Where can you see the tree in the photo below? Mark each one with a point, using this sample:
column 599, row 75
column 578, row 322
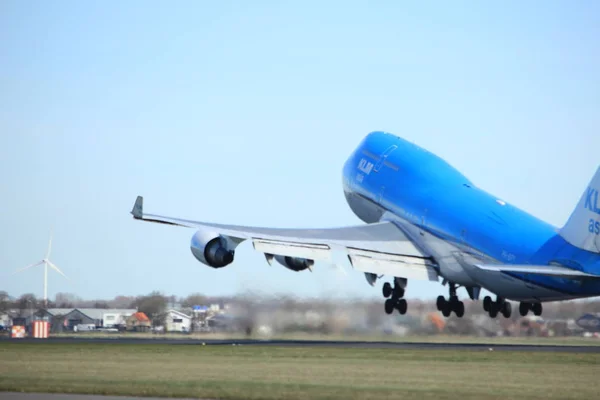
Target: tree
column 67, row 300
column 122, row 302
column 27, row 303
column 152, row 305
column 194, row 299
column 5, row 302
column 101, row 304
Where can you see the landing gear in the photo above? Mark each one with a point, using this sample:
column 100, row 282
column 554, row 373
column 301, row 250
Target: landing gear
column 395, row 294
column 452, row 304
column 387, row 289
column 525, row 307
column 499, row 306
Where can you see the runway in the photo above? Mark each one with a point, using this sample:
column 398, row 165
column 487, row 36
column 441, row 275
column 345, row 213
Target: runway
column 59, row 396
column 320, row 343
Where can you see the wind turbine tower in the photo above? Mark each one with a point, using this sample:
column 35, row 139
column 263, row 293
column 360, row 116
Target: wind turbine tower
column 47, row 263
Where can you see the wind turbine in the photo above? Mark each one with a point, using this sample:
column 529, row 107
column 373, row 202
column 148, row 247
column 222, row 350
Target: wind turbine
column 47, row 263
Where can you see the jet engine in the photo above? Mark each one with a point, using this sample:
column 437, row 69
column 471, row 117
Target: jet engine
column 212, row 250
column 294, row 263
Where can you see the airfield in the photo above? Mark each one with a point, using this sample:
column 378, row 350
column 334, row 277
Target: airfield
column 292, row 368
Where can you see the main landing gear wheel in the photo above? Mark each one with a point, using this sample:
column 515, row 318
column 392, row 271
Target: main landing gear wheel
column 498, row 306
column 487, row 301
column 448, row 306
column 395, row 294
column 387, row 289
column 524, row 308
column 389, row 306
column 402, row 306
column 453, row 304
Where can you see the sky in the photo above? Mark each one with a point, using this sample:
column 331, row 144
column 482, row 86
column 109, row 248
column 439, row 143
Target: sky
column 244, row 113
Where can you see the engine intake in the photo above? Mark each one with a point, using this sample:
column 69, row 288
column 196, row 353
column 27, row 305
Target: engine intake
column 294, row 263
column 211, row 249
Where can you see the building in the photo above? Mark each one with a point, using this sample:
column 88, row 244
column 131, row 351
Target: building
column 99, row 317
column 138, row 322
column 5, row 320
column 176, row 321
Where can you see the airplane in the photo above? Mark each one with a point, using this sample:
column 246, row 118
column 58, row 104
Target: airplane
column 423, row 219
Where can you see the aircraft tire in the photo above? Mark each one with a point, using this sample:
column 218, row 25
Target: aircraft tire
column 386, row 290
column 506, row 309
column 447, row 309
column 524, row 308
column 459, row 309
column 441, row 300
column 389, row 306
column 402, row 306
column 487, row 301
column 537, row 309
column 493, row 311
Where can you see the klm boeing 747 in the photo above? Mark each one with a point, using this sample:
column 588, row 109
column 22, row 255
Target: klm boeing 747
column 426, row 220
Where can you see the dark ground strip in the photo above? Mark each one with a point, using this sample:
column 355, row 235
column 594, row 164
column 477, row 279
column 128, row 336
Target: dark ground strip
column 319, row 343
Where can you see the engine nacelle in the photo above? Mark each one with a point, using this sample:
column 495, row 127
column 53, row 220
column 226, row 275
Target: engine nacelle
column 211, row 249
column 294, row 263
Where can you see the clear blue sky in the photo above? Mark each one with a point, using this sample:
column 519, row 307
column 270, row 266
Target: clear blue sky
column 244, row 112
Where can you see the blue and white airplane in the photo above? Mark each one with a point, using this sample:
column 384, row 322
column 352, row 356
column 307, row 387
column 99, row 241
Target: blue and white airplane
column 426, row 220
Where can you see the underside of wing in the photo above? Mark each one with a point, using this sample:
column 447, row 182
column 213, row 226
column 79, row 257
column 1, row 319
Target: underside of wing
column 546, row 270
column 380, row 248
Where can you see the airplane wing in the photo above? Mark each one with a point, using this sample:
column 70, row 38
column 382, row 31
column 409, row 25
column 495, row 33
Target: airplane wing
column 379, row 248
column 547, row 270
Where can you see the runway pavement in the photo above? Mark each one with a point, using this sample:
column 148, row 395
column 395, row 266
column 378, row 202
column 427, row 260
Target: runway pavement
column 321, row 343
column 58, row 396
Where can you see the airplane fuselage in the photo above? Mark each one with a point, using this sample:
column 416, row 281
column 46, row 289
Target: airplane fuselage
column 387, row 177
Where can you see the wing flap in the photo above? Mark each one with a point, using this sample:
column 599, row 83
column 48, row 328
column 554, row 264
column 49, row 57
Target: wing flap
column 393, row 265
column 291, row 249
column 547, row 270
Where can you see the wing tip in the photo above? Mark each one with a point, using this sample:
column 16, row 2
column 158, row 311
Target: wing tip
column 138, row 208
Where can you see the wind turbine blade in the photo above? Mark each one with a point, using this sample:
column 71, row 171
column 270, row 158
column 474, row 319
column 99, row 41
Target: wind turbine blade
column 29, row 266
column 54, row 267
column 49, row 246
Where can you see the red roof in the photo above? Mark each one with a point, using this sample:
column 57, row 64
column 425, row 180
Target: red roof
column 140, row 316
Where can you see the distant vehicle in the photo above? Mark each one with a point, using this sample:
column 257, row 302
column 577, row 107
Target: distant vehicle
column 84, row 328
column 108, row 330
column 426, row 220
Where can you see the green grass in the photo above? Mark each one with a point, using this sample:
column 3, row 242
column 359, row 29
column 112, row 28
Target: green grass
column 252, row 372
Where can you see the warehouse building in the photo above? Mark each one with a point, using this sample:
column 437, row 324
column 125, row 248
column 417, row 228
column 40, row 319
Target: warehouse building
column 99, row 317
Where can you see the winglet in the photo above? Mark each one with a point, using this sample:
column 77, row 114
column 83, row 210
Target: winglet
column 138, row 208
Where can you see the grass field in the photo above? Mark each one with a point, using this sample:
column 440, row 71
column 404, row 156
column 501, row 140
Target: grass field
column 252, row 372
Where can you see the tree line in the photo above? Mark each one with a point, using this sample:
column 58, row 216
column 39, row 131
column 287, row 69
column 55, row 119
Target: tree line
column 153, row 304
